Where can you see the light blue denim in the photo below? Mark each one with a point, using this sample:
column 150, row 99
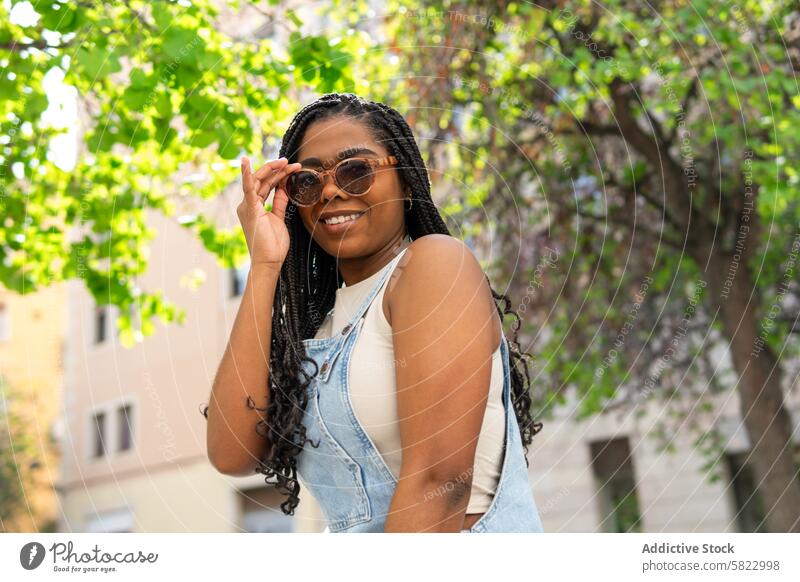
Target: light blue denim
column 346, row 473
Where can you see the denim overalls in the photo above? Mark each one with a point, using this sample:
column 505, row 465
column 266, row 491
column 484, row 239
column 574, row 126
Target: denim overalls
column 346, row 473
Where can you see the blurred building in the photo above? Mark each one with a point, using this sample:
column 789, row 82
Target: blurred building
column 610, row 473
column 32, row 327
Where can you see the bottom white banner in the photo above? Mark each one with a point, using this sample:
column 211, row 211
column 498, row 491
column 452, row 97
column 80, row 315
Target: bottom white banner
column 723, row 557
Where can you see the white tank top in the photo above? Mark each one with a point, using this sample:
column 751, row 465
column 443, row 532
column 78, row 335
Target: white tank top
column 372, row 385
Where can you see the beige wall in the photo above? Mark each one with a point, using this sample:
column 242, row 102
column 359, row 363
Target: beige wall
column 166, row 376
column 30, row 360
column 185, row 497
column 673, row 492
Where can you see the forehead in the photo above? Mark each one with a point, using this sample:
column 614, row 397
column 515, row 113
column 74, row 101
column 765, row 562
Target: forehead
column 324, row 139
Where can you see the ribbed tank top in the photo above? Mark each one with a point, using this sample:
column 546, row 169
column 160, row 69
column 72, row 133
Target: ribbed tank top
column 372, row 385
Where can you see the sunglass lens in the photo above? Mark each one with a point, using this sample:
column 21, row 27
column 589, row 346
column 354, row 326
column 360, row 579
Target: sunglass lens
column 303, row 188
column 354, row 176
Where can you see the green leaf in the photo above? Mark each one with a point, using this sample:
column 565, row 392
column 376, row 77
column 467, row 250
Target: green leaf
column 141, row 80
column 161, row 14
column 204, row 138
column 228, row 150
column 135, row 98
column 292, row 15
column 127, row 337
column 180, row 44
column 58, row 16
column 97, row 62
column 164, row 105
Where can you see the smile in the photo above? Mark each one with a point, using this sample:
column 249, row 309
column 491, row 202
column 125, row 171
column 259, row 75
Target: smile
column 341, row 219
column 340, row 224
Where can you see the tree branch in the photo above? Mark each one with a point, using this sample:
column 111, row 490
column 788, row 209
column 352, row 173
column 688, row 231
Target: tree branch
column 633, row 226
column 678, row 200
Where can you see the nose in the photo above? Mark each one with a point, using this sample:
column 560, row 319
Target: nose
column 330, row 190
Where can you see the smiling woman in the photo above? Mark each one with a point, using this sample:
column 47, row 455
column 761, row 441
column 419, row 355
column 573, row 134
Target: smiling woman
column 378, row 205
column 396, row 398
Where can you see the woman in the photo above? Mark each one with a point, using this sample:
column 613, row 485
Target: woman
column 393, row 398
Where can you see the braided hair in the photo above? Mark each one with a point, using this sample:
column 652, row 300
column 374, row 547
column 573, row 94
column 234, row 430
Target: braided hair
column 307, row 291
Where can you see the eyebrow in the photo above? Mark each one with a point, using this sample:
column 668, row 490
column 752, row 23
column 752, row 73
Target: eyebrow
column 345, row 153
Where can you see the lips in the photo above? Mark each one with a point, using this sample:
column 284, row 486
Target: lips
column 339, row 222
column 325, row 216
column 341, row 218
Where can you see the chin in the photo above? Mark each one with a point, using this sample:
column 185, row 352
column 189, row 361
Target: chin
column 345, row 247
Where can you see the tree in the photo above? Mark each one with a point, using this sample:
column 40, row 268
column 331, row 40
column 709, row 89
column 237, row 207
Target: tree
column 22, row 459
column 648, row 148
column 164, row 93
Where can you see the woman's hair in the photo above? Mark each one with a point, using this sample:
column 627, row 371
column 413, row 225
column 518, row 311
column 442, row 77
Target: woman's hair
column 307, row 290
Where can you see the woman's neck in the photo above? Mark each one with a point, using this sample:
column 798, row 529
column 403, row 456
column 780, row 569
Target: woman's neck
column 356, row 270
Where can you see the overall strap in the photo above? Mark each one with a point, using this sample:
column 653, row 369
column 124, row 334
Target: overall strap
column 356, row 319
column 387, row 271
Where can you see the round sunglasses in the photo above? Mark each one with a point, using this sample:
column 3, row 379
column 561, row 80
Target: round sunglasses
column 355, row 176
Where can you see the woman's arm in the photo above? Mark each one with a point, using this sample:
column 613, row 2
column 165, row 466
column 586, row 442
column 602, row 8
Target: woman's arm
column 445, row 327
column 233, row 444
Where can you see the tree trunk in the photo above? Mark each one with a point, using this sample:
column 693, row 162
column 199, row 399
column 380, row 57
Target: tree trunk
column 768, row 423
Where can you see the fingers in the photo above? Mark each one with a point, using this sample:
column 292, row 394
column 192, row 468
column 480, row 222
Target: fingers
column 269, row 181
column 256, row 185
column 248, row 184
column 279, row 203
column 269, row 167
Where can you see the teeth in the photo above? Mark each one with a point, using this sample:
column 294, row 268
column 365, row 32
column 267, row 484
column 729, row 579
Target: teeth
column 340, row 219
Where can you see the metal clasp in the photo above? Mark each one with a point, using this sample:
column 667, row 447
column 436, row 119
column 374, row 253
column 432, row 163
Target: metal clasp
column 327, row 364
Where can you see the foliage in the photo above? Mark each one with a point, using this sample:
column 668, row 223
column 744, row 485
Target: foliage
column 21, row 462
column 165, row 95
column 562, row 118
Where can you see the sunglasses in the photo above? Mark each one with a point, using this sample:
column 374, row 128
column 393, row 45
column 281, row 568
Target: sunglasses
column 355, row 176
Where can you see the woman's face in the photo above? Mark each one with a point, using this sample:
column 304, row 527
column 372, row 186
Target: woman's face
column 381, row 210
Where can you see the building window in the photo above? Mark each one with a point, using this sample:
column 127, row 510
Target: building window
column 111, row 429
column 125, row 427
column 100, row 324
column 614, row 474
column 239, row 279
column 750, row 514
column 5, row 323
column 99, row 434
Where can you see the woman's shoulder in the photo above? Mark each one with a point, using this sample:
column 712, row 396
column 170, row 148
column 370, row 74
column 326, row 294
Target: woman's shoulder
column 436, row 268
column 440, row 256
column 434, row 254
